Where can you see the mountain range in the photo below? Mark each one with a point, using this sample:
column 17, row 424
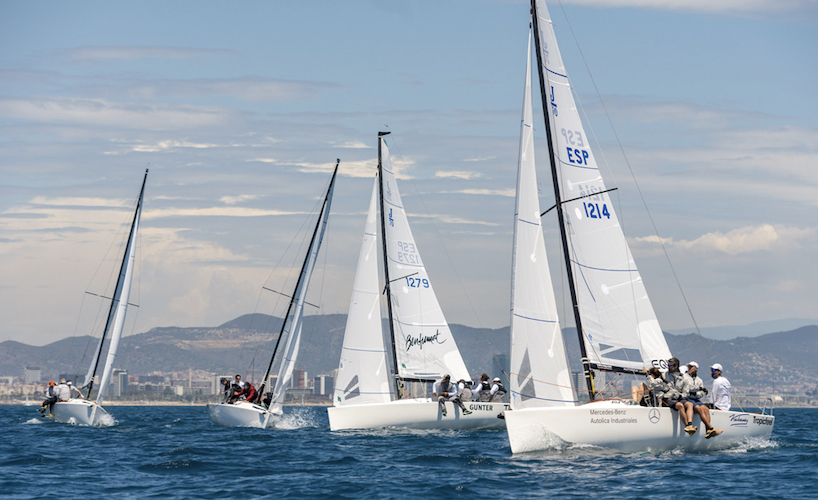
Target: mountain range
column 244, row 345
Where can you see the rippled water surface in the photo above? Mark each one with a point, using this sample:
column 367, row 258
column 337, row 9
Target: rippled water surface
column 175, row 452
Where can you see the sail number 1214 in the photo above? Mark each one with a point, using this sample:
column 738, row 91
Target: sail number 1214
column 592, row 211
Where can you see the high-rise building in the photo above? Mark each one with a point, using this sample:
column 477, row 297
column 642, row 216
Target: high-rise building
column 323, row 385
column 120, row 378
column 32, row 374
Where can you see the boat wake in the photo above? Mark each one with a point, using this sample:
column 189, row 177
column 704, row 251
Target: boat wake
column 106, row 420
column 33, row 420
column 298, row 418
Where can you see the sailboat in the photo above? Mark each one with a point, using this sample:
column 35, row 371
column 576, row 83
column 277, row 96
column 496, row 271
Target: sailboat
column 367, row 394
column 264, row 414
column 616, row 324
column 88, row 411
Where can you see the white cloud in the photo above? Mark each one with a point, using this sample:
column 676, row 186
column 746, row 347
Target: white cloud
column 511, row 192
column 214, row 212
column 80, row 202
column 351, row 145
column 458, row 174
column 95, row 53
column 103, row 113
column 232, row 200
column 764, row 237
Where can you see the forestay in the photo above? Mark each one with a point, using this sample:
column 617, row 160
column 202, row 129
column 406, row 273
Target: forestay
column 293, row 332
column 619, row 324
column 540, row 374
column 363, row 375
column 424, row 345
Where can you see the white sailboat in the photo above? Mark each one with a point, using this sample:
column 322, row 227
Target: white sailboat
column 258, row 413
column 423, row 349
column 617, row 327
column 88, row 411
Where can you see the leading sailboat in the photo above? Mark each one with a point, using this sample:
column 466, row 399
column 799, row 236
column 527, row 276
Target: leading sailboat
column 423, row 349
column 262, row 414
column 87, row 411
column 617, row 327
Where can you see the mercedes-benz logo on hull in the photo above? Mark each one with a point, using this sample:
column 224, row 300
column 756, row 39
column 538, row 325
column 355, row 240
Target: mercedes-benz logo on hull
column 654, row 416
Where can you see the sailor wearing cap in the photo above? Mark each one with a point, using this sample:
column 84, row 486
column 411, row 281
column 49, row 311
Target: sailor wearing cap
column 498, row 392
column 720, row 394
column 444, row 390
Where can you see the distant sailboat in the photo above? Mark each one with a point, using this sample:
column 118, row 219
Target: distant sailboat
column 422, row 346
column 90, row 411
column 617, row 327
column 257, row 413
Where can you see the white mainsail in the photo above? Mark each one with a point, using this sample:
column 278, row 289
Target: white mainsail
column 619, row 325
column 539, row 369
column 363, row 374
column 119, row 305
column 293, row 333
column 424, row 345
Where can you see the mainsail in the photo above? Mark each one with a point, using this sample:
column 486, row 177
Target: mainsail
column 363, row 374
column 540, row 374
column 619, row 326
column 293, row 331
column 119, row 307
column 424, row 346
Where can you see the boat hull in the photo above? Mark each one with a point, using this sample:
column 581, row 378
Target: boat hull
column 79, row 412
column 625, row 427
column 415, row 414
column 241, row 414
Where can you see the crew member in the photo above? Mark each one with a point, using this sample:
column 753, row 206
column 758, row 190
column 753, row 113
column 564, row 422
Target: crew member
column 444, row 391
column 51, row 397
column 697, row 391
column 498, row 392
column 720, row 395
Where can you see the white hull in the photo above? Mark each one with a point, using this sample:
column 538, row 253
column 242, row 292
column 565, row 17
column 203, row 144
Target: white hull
column 79, row 412
column 625, row 427
column 415, row 414
column 241, row 414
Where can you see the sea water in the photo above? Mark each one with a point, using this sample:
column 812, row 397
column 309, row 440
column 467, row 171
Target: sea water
column 176, row 452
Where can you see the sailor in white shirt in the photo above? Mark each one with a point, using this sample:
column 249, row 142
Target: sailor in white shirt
column 444, row 390
column 498, row 392
column 482, row 389
column 720, row 395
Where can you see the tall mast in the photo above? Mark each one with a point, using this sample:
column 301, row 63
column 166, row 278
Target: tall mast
column 298, row 282
column 386, row 266
column 586, row 365
column 115, row 301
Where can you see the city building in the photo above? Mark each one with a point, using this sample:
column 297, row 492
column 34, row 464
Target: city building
column 32, row 374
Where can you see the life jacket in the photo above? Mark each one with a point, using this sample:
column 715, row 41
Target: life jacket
column 485, row 392
column 499, row 395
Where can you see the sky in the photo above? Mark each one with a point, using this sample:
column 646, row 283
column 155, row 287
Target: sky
column 240, row 110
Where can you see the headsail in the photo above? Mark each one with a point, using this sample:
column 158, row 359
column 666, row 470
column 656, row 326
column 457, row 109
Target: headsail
column 363, row 374
column 293, row 332
column 539, row 369
column 620, row 329
column 424, row 346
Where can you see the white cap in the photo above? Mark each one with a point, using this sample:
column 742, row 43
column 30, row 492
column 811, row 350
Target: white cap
column 68, row 383
column 717, row 367
column 693, row 363
column 496, row 379
column 683, row 369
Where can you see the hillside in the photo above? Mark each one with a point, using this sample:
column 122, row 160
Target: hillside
column 245, row 344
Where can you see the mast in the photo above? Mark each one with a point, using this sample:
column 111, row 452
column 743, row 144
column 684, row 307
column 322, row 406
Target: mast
column 586, row 365
column 119, row 282
column 298, row 283
column 386, row 267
